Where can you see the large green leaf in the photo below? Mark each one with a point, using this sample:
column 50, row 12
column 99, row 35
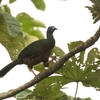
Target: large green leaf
column 40, row 4
column 49, row 88
column 81, row 68
column 30, row 27
column 11, row 36
column 71, row 68
column 28, row 21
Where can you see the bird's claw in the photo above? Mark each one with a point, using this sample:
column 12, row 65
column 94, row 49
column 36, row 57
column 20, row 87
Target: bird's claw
column 54, row 59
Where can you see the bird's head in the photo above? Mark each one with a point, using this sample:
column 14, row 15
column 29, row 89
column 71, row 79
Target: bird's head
column 51, row 29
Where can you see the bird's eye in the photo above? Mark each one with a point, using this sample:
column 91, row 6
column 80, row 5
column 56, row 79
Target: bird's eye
column 51, row 28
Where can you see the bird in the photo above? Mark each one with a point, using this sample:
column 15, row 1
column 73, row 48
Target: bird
column 35, row 53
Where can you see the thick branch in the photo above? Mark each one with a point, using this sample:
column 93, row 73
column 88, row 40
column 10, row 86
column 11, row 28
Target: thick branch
column 54, row 68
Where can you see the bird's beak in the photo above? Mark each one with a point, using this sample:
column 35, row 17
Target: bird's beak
column 55, row 29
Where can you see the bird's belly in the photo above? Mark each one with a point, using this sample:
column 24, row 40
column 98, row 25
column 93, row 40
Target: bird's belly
column 33, row 61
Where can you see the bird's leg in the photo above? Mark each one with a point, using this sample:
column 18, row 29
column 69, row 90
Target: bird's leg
column 33, row 72
column 46, row 63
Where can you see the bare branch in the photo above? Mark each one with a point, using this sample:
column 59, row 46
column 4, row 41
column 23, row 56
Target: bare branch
column 54, row 68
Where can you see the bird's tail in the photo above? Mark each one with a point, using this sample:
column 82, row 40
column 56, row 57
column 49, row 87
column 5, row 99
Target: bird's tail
column 7, row 68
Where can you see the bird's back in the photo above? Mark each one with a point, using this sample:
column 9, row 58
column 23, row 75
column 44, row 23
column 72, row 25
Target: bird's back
column 36, row 48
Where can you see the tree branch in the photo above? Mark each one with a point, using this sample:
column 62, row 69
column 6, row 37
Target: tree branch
column 53, row 68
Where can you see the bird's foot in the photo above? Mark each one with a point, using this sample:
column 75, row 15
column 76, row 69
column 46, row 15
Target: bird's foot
column 54, row 59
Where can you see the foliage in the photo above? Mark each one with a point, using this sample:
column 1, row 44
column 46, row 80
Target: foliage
column 76, row 69
column 16, row 33
column 12, row 37
column 28, row 95
column 95, row 10
column 39, row 4
column 30, row 27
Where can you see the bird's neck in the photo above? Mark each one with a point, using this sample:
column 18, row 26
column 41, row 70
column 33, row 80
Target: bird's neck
column 50, row 37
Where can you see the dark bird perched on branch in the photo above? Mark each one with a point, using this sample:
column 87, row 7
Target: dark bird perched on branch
column 36, row 52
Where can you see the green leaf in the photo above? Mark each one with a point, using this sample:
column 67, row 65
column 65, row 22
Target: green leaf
column 71, row 68
column 93, row 80
column 37, row 33
column 30, row 25
column 12, row 1
column 60, row 96
column 26, row 20
column 83, row 69
column 66, row 97
column 57, row 51
column 22, row 95
column 11, row 36
column 5, row 8
column 95, row 10
column 39, row 67
column 49, row 88
column 96, row 2
column 0, row 1
column 72, row 45
column 29, row 38
column 92, row 54
column 97, row 18
column 40, row 4
column 83, row 99
column 14, row 27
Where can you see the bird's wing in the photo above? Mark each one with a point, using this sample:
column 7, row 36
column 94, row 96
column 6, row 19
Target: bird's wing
column 34, row 49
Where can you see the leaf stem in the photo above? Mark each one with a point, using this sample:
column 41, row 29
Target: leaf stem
column 76, row 90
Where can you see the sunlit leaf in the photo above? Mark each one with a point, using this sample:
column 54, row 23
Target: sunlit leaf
column 40, row 4
column 30, row 26
column 11, row 1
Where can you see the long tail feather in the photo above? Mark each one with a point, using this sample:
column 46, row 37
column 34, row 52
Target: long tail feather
column 7, row 68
